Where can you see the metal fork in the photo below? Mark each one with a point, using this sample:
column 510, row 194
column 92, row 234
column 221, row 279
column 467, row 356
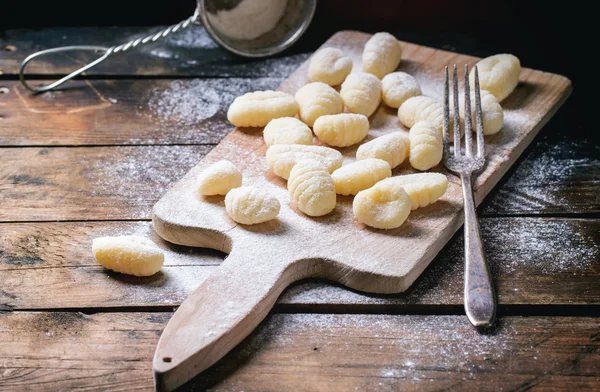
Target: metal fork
column 480, row 299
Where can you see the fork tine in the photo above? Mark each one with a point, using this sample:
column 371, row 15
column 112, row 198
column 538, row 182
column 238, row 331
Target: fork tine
column 446, row 132
column 456, row 114
column 479, row 117
column 468, row 118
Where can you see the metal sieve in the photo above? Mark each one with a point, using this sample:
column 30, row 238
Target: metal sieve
column 292, row 24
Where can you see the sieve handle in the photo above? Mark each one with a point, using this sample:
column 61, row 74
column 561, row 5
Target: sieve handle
column 105, row 53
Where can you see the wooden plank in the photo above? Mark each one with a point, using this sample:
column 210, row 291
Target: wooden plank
column 542, row 261
column 124, row 182
column 308, row 352
column 188, row 53
column 109, row 112
column 90, row 183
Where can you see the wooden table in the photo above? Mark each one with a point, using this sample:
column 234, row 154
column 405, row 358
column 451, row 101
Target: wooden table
column 93, row 159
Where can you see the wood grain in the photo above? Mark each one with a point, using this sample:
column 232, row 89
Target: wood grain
column 188, row 53
column 109, row 112
column 78, row 183
column 308, row 352
column 535, row 261
column 90, row 183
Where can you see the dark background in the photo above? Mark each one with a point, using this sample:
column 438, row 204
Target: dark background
column 556, row 37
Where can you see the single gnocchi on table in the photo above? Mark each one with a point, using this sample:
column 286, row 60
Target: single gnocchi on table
column 361, row 93
column 397, row 87
column 381, row 55
column 341, row 130
column 383, row 206
column 492, row 114
column 130, row 254
column 359, row 175
column 392, row 148
column 422, row 188
column 249, row 205
column 318, row 99
column 281, row 158
column 258, row 108
column 498, row 74
column 311, row 188
column 287, row 130
column 219, row 178
column 426, row 146
column 330, row 66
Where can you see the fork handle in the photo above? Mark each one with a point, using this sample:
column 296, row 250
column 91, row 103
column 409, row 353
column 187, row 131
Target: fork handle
column 480, row 299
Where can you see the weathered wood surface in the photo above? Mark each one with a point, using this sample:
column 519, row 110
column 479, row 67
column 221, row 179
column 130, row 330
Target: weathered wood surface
column 103, row 183
column 534, row 261
column 189, row 52
column 544, row 261
column 109, row 112
column 308, row 352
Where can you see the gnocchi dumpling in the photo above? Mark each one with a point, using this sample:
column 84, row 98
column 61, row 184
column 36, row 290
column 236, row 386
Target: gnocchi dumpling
column 318, row 99
column 330, row 66
column 423, row 108
column 258, row 108
column 311, row 188
column 422, row 188
column 498, row 74
column 287, row 130
column 381, row 55
column 426, row 146
column 219, row 178
column 397, row 87
column 129, row 254
column 361, row 93
column 392, row 148
column 383, row 206
column 341, row 130
column 249, row 205
column 281, row 158
column 492, row 114
column 359, row 175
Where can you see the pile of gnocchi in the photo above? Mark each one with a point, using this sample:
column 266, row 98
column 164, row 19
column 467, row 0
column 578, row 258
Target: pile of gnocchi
column 339, row 117
column 335, row 106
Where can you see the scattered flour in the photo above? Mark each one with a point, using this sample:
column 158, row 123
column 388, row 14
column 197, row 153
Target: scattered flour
column 144, row 174
column 193, row 37
column 189, row 102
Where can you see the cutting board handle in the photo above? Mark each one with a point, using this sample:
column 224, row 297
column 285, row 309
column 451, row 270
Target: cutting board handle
column 221, row 312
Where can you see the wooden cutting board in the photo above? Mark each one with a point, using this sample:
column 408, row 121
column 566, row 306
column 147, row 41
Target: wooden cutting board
column 264, row 259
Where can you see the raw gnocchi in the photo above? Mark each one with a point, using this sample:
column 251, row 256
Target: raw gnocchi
column 423, row 108
column 361, row 93
column 359, row 175
column 383, row 206
column 287, row 130
column 219, row 178
column 248, row 205
column 258, row 108
column 422, row 188
column 498, row 74
column 392, row 148
column 318, row 99
column 381, row 55
column 311, row 188
column 491, row 112
column 397, row 87
column 341, row 130
column 426, row 146
column 330, row 66
column 130, row 254
column 281, row 158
